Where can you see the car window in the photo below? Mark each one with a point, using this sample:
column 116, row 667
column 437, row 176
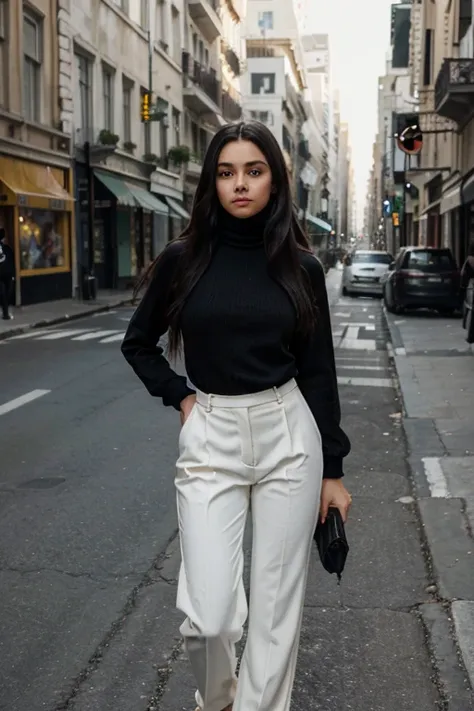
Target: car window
column 371, row 258
column 430, row 261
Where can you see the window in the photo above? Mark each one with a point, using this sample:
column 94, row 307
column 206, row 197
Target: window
column 84, row 67
column 265, row 21
column 195, row 138
column 176, row 22
column 127, row 89
column 265, row 117
column 42, row 239
column 371, row 258
column 164, row 139
column 122, row 4
column 427, row 67
column 161, row 29
column 430, row 261
column 176, row 127
column 108, row 97
column 202, row 142
column 3, row 53
column 32, row 58
column 263, row 83
column 145, row 14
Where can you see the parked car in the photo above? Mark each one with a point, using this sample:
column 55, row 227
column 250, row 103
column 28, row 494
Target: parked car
column 423, row 277
column 363, row 271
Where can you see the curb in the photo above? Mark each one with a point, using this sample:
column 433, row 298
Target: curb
column 63, row 319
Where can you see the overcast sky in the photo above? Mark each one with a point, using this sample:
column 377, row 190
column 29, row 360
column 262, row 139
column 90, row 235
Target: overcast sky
column 359, row 33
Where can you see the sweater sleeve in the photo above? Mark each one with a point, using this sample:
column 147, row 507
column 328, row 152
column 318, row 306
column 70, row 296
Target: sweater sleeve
column 147, row 325
column 317, row 377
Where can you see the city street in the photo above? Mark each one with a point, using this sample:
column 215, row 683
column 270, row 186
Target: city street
column 89, row 555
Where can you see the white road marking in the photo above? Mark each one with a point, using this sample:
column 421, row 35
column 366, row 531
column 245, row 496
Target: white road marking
column 30, row 334
column 400, row 351
column 360, row 367
column 365, row 382
column 366, row 326
column 343, row 314
column 56, row 335
column 95, row 334
column 22, row 400
column 435, row 478
column 113, row 339
column 355, row 344
column 104, row 313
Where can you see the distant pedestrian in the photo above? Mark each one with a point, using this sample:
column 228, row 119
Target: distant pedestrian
column 7, row 274
column 243, row 295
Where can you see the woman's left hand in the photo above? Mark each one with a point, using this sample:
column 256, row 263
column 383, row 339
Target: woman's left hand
column 334, row 493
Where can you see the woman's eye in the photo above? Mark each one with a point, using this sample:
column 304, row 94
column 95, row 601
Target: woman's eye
column 255, row 172
column 224, row 174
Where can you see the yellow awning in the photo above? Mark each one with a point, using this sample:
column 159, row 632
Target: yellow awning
column 31, row 185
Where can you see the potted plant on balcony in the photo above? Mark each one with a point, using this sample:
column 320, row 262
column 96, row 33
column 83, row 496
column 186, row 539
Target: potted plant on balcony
column 129, row 146
column 152, row 159
column 179, row 155
column 107, row 138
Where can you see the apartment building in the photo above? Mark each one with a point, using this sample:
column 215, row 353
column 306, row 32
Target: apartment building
column 442, row 48
column 36, row 180
column 212, row 62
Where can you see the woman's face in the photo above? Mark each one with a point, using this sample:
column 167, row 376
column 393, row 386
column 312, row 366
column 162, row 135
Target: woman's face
column 244, row 179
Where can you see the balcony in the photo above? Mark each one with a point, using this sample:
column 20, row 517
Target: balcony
column 454, row 90
column 201, row 89
column 231, row 105
column 231, row 58
column 194, row 166
column 205, row 13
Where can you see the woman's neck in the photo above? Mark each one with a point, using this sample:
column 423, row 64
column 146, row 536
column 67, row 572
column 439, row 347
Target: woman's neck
column 242, row 231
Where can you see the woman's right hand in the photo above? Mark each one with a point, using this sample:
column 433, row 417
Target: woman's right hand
column 186, row 406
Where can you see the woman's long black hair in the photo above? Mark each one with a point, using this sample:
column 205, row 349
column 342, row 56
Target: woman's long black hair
column 283, row 236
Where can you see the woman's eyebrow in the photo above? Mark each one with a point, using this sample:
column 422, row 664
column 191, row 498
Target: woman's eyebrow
column 249, row 164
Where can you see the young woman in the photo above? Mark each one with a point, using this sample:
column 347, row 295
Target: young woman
column 246, row 298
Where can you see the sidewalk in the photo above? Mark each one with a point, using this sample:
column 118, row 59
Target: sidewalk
column 50, row 313
column 435, row 368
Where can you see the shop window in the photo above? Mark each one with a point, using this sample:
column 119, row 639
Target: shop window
column 43, row 240
column 32, row 58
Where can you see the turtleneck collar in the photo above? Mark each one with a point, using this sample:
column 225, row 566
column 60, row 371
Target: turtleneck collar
column 242, row 232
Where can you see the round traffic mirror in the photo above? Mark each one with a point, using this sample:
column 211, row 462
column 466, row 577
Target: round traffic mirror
column 410, row 140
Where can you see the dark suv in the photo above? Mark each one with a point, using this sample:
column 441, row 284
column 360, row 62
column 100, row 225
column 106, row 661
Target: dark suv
column 423, row 277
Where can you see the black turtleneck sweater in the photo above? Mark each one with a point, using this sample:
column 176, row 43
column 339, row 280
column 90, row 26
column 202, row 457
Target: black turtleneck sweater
column 239, row 333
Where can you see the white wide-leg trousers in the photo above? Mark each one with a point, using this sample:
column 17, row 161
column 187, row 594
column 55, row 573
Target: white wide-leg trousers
column 264, row 448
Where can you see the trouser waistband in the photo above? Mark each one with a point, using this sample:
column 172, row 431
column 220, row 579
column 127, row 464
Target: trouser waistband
column 209, row 400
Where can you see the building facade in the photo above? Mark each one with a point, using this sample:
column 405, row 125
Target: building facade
column 36, row 177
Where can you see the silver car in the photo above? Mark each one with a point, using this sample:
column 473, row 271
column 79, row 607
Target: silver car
column 363, row 271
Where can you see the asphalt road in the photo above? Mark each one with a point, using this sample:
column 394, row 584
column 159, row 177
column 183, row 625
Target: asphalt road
column 88, row 548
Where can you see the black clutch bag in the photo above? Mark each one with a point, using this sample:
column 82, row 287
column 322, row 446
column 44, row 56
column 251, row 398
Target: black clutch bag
column 332, row 543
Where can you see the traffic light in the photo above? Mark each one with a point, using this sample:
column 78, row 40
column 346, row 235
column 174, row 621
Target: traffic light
column 146, row 107
column 396, row 219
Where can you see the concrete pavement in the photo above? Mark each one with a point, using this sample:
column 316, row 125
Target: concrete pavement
column 435, row 368
column 53, row 312
column 89, row 555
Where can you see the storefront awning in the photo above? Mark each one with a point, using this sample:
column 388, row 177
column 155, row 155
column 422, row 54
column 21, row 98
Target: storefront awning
column 325, row 226
column 177, row 208
column 117, row 187
column 147, row 201
column 32, row 185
